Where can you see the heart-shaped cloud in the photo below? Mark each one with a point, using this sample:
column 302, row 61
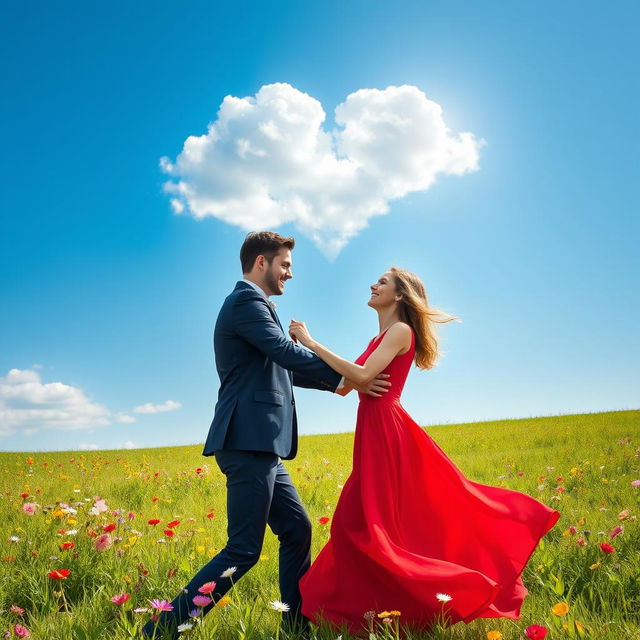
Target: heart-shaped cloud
column 266, row 160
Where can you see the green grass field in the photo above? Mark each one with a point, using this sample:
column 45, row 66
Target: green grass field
column 582, row 465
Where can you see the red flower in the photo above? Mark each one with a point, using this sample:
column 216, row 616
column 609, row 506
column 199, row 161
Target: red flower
column 120, row 598
column 24, row 495
column 572, row 530
column 199, row 470
column 59, row 574
column 67, row 545
column 109, row 527
column 559, row 479
column 92, row 533
column 173, row 523
column 536, row 632
column 211, row 514
column 606, row 547
column 154, row 521
column 323, row 520
column 169, row 533
column 154, row 499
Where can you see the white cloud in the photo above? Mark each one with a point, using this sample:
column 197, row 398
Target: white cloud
column 124, row 418
column 128, row 445
column 267, row 160
column 88, row 447
column 169, row 405
column 28, row 405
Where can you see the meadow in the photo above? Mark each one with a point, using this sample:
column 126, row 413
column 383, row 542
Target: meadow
column 89, row 539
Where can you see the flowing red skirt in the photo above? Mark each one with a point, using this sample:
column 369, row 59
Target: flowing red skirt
column 409, row 525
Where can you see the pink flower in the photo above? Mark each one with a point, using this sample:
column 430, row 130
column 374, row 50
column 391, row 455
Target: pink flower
column 207, row 587
column 536, row 632
column 120, row 598
column 21, row 632
column 572, row 530
column 14, row 608
column 616, row 531
column 29, row 508
column 161, row 605
column 103, row 542
column 581, row 542
column 635, row 483
column 201, row 601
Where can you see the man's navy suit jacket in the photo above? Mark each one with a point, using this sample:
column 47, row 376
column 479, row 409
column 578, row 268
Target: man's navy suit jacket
column 257, row 365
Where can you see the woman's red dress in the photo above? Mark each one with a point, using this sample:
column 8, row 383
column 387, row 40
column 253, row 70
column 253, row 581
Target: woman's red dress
column 409, row 525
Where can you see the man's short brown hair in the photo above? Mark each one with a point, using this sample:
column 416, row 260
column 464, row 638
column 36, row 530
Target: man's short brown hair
column 262, row 243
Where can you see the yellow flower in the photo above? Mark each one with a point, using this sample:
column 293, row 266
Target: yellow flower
column 223, row 602
column 394, row 613
column 560, row 609
column 200, row 548
column 494, row 635
column 71, row 521
column 595, row 565
column 133, row 539
column 384, row 614
column 263, row 557
column 582, row 521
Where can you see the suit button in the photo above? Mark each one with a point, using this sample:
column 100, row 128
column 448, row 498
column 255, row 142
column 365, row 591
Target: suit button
column 293, row 401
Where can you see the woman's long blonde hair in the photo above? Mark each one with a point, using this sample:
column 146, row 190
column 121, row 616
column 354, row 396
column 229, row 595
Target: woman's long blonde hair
column 415, row 311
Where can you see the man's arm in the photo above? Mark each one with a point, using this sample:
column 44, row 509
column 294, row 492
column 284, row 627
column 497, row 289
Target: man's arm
column 252, row 320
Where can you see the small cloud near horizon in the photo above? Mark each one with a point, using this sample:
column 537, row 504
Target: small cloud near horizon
column 267, row 160
column 28, row 405
column 150, row 408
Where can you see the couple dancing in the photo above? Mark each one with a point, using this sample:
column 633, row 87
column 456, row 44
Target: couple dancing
column 408, row 525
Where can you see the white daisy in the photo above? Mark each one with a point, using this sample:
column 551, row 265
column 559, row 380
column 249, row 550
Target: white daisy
column 227, row 573
column 276, row 605
column 185, row 626
column 443, row 597
column 14, row 539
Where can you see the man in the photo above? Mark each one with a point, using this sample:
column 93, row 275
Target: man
column 255, row 426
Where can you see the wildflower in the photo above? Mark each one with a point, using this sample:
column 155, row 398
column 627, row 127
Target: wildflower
column 616, row 531
column 536, row 632
column 560, row 609
column 173, row 523
column 581, row 542
column 227, row 573
column 120, row 598
column 572, row 530
column 14, row 539
column 103, row 542
column 161, row 605
column 14, row 608
column 194, row 613
column 21, row 631
column 29, row 508
column 635, row 483
column 153, row 522
column 595, row 565
column 59, row 574
column 223, row 602
column 185, row 626
column 276, row 605
column 384, row 614
column 71, row 532
column 624, row 514
column 169, row 533
column 67, row 545
column 494, row 635
column 369, row 615
column 207, row 587
column 323, row 520
column 141, row 610
column 607, row 548
column 443, row 597
column 109, row 527
column 201, row 601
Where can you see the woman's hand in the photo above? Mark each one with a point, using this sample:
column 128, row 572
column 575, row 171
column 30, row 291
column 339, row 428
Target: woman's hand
column 299, row 332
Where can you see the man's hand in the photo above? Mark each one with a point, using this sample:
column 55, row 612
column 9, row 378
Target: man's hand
column 376, row 387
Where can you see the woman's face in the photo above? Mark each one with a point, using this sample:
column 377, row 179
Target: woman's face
column 383, row 292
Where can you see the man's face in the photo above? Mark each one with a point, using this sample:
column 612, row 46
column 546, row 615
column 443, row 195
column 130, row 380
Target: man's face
column 278, row 272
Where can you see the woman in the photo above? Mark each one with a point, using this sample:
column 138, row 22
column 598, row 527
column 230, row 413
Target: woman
column 410, row 532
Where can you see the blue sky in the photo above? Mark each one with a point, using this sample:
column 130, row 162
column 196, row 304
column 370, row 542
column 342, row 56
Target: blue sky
column 109, row 292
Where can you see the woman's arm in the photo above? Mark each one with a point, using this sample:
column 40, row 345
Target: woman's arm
column 395, row 340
